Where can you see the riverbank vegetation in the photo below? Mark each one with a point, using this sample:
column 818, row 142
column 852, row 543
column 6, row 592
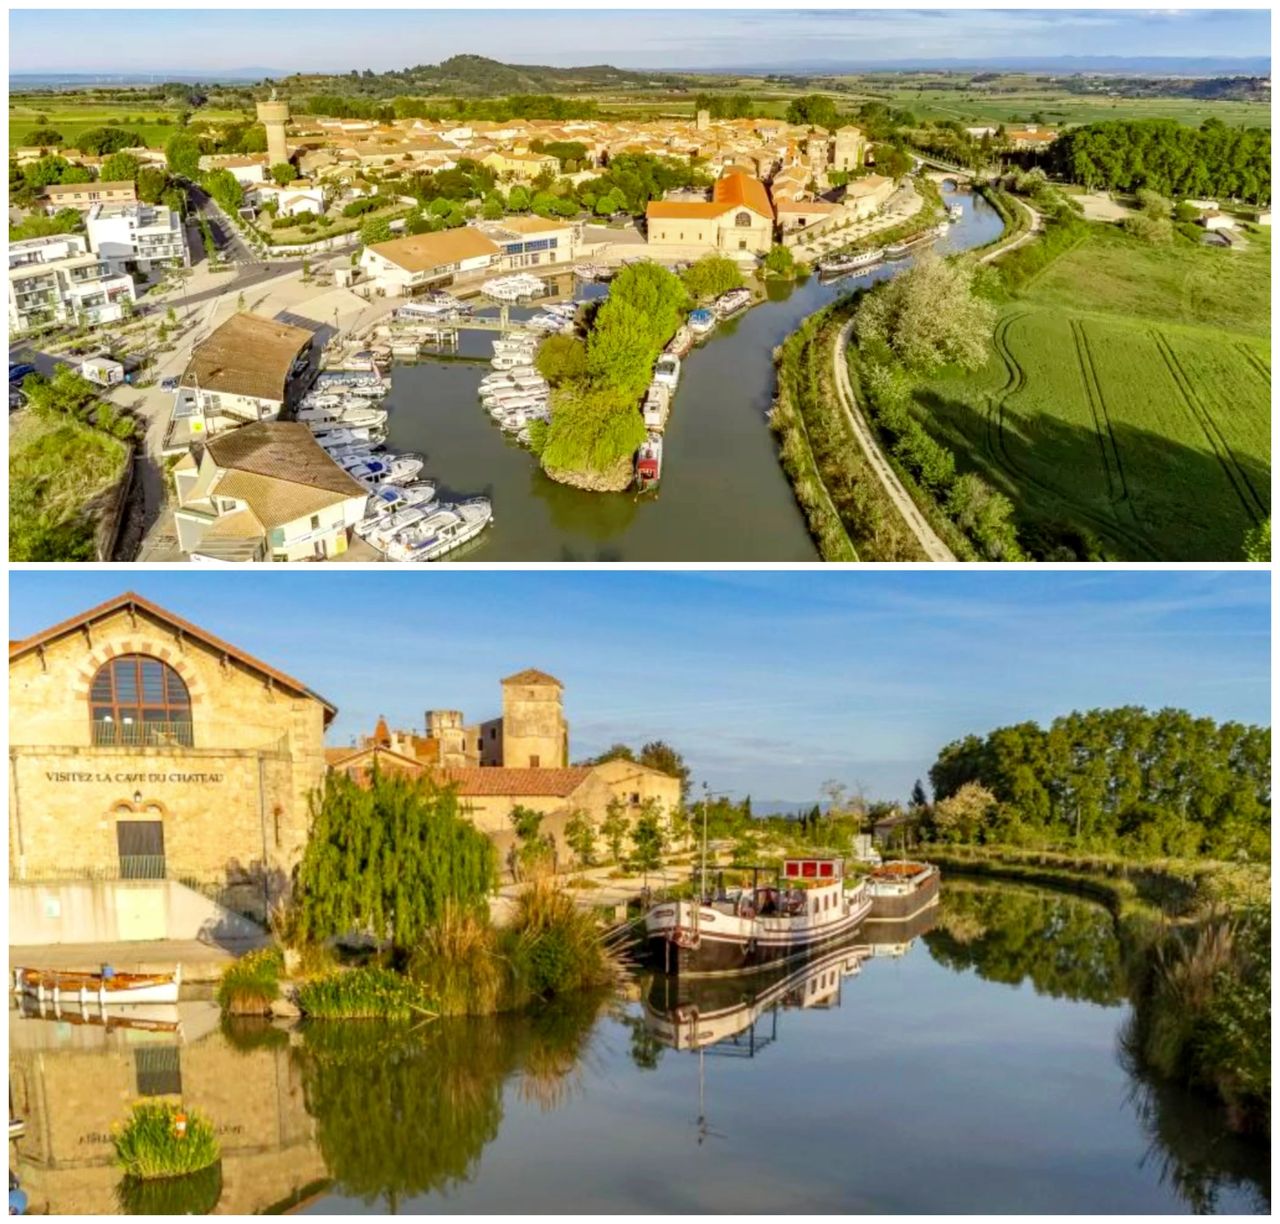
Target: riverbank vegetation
column 162, row 1139
column 596, row 426
column 251, row 983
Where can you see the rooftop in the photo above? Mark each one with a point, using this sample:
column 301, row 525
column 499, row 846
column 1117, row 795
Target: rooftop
column 531, row 675
column 423, row 252
column 248, row 355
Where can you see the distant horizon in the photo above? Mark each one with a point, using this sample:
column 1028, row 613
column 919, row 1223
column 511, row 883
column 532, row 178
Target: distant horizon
column 768, row 683
column 712, row 41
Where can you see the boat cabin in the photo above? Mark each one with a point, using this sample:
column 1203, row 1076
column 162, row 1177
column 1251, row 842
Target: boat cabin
column 808, row 887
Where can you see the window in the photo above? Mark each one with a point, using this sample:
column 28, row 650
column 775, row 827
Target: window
column 135, row 699
column 535, row 762
column 743, row 220
column 635, row 798
column 315, row 522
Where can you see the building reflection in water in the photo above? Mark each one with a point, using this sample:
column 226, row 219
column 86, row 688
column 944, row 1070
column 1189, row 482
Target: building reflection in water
column 71, row 1079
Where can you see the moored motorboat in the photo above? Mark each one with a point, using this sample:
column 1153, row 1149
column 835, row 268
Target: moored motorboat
column 649, row 462
column 955, row 212
column 681, row 342
column 901, row 889
column 667, row 371
column 441, row 532
column 701, row 321
column 739, row 930
column 732, row 302
column 105, row 987
column 842, row 265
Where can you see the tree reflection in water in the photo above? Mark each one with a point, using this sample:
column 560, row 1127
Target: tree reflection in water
column 1065, row 946
column 404, row 1110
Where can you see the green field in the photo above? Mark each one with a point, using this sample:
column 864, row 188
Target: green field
column 1128, row 394
column 72, row 119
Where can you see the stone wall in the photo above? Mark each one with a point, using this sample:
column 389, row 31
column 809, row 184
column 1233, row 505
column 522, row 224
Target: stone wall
column 534, row 731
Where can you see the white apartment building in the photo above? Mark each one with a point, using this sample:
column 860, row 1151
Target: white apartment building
column 138, row 236
column 58, row 280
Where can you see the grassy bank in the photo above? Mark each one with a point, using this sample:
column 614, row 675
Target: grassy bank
column 61, row 473
column 1124, row 408
column 849, row 513
column 1196, row 942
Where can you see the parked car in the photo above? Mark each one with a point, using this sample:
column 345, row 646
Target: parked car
column 19, row 370
column 169, row 384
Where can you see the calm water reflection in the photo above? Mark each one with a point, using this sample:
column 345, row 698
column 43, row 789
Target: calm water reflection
column 971, row 1067
column 723, row 497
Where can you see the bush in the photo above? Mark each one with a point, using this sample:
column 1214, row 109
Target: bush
column 251, row 984
column 711, row 276
column 150, row 1145
column 555, row 947
column 780, row 261
column 369, row 993
column 457, row 965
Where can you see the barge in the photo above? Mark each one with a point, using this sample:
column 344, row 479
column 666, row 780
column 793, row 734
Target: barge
column 901, row 890
column 842, row 265
column 805, row 908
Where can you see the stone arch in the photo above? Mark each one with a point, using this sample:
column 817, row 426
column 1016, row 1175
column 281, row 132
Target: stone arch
column 141, row 644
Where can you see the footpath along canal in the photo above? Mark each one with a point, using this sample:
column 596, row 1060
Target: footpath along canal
column 969, row 1061
column 724, row 496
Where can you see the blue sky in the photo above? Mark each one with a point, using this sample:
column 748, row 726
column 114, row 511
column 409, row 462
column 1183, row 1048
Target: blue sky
column 769, row 683
column 310, row 39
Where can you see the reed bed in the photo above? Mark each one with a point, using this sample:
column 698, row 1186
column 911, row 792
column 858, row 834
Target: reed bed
column 162, row 1139
column 251, row 983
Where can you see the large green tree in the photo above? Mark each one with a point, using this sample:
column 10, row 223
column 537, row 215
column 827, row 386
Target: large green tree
column 386, row 858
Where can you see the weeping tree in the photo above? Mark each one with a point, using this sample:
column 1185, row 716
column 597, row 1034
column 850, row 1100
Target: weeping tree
column 386, row 858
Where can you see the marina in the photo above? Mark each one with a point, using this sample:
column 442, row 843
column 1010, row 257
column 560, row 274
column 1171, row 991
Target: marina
column 722, row 495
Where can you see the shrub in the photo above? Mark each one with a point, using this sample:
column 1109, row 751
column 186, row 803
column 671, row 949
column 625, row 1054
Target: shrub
column 152, row 1145
column 370, row 993
column 457, row 965
column 250, row 984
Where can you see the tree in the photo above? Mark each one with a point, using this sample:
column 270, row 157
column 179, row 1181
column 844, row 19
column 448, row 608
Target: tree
column 283, row 173
column 661, row 756
column 375, row 230
column 814, row 110
column 961, row 817
column 151, row 183
column 387, row 858
column 929, row 316
column 119, row 168
column 780, row 261
column 182, row 155
column 492, row 210
column 561, row 358
column 1257, row 542
column 104, row 140
column 919, row 800
column 710, row 276
column 648, row 839
column 518, row 199
column 580, row 833
column 225, row 189
column 614, row 828
column 534, row 850
column 43, row 137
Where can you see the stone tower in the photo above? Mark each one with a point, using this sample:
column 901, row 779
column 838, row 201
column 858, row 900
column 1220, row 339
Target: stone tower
column 273, row 115
column 815, row 150
column 849, row 146
column 534, row 732
column 447, row 729
column 704, row 121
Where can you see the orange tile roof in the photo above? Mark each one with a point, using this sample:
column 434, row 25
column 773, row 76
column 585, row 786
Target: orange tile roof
column 497, row 780
column 130, row 600
column 742, row 191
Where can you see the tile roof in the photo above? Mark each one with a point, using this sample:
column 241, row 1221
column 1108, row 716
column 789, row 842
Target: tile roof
column 531, row 675
column 498, row 781
column 422, row 252
column 248, row 355
column 743, row 191
column 130, row 600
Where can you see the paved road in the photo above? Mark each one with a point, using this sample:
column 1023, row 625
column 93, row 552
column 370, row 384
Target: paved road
column 934, row 548
column 1037, row 223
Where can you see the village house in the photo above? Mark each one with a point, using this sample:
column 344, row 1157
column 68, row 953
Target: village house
column 57, row 280
column 418, row 262
column 249, row 369
column 265, row 492
column 527, row 242
column 520, row 758
column 83, row 196
column 739, row 217
column 145, row 751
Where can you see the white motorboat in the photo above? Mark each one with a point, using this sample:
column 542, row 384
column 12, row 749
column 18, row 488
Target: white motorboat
column 732, row 302
column 442, row 531
column 701, row 321
column 389, row 469
column 656, row 406
column 351, row 416
column 381, row 533
column 333, row 438
column 513, row 288
column 681, row 342
column 389, row 500
column 520, row 418
column 344, row 455
column 667, row 371
column 955, row 212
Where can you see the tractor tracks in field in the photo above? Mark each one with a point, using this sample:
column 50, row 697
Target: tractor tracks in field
column 1113, row 466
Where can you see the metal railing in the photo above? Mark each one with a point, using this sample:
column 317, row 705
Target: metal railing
column 142, row 867
column 110, row 734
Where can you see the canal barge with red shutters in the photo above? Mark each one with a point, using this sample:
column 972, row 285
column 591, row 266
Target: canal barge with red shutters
column 738, row 930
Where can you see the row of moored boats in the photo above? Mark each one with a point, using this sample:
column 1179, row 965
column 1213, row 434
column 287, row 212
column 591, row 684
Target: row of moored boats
column 404, row 518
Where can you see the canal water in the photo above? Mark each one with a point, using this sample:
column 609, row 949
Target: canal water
column 970, row 1062
column 723, row 497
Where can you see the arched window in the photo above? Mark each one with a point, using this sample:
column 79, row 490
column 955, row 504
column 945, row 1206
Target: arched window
column 743, row 220
column 136, row 699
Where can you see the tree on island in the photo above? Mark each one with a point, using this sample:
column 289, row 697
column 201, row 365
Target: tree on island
column 710, row 276
column 386, row 859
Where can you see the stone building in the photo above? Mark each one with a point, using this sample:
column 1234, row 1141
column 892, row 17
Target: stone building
column 738, row 217
column 532, row 732
column 142, row 747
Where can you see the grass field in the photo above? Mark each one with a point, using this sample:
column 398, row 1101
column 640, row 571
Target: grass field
column 73, row 119
column 1128, row 393
column 58, row 471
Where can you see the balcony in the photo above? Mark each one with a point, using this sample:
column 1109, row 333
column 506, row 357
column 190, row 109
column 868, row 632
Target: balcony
column 142, row 867
column 108, row 734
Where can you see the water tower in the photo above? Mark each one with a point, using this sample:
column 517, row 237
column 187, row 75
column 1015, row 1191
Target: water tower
column 273, row 115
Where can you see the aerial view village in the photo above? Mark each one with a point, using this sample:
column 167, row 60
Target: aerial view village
column 481, row 310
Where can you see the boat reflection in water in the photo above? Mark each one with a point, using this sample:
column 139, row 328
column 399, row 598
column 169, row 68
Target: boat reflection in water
column 739, row 1015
